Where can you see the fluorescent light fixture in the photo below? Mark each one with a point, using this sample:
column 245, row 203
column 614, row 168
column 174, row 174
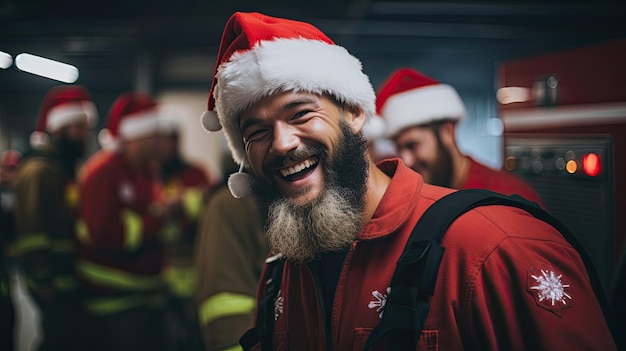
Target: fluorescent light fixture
column 44, row 67
column 6, row 60
column 509, row 95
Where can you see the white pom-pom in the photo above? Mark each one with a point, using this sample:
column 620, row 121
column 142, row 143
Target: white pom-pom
column 374, row 128
column 38, row 139
column 210, row 122
column 106, row 140
column 239, row 185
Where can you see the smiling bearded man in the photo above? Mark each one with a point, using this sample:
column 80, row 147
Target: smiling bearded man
column 332, row 221
column 293, row 104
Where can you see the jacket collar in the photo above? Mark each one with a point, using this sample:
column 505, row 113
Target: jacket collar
column 397, row 203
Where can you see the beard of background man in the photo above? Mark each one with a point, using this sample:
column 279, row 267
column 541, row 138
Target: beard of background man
column 440, row 170
column 333, row 220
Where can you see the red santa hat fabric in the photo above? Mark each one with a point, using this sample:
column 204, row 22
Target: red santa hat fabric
column 62, row 106
column 261, row 55
column 133, row 115
column 410, row 98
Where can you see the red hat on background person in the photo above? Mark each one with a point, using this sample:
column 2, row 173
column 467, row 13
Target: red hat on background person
column 410, row 98
column 62, row 106
column 261, row 55
column 133, row 116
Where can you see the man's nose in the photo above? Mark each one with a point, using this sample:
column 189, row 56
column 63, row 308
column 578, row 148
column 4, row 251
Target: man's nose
column 285, row 139
column 407, row 157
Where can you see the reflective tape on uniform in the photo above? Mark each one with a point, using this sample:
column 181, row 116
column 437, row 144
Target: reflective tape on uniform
column 82, row 232
column 32, row 242
column 181, row 281
column 233, row 348
column 192, row 202
column 64, row 283
column 62, row 246
column 115, row 278
column 133, row 229
column 110, row 305
column 224, row 304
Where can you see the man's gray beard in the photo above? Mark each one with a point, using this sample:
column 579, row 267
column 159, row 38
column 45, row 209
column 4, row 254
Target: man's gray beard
column 301, row 233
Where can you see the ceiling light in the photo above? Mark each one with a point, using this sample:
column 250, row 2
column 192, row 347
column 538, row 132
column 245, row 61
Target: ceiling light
column 47, row 68
column 6, row 60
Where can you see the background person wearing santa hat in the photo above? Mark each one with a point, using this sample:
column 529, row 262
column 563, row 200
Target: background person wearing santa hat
column 121, row 215
column 421, row 115
column 293, row 104
column 46, row 200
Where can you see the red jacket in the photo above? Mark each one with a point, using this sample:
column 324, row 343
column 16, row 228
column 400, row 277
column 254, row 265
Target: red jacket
column 120, row 251
column 481, row 177
column 486, row 296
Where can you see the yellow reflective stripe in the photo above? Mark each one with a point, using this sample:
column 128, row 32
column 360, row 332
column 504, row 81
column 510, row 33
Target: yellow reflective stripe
column 192, row 202
column 181, row 281
column 32, row 242
column 133, row 229
column 115, row 278
column 63, row 246
column 110, row 305
column 82, row 232
column 65, row 283
column 234, row 348
column 170, row 232
column 223, row 305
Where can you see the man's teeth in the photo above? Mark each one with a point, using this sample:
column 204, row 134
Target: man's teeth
column 296, row 168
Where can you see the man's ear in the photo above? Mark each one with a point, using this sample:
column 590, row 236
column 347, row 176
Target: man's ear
column 447, row 131
column 355, row 118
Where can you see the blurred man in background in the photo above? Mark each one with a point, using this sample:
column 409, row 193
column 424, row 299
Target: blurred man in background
column 229, row 254
column 8, row 164
column 421, row 115
column 121, row 214
column 186, row 182
column 46, row 211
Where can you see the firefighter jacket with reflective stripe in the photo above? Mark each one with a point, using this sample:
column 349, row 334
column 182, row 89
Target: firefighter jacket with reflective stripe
column 507, row 281
column 187, row 183
column 46, row 198
column 229, row 254
column 120, row 253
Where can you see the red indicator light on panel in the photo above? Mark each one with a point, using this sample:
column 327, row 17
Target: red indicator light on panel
column 591, row 164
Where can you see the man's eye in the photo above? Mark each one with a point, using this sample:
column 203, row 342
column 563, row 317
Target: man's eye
column 300, row 114
column 257, row 134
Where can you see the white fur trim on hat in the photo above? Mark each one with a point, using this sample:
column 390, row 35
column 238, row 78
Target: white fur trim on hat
column 285, row 65
column 65, row 114
column 421, row 106
column 138, row 125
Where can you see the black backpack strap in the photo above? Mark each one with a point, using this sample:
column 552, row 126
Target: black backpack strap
column 413, row 282
column 264, row 328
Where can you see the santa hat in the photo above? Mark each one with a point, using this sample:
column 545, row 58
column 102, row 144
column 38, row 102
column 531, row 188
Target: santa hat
column 261, row 55
column 133, row 116
column 62, row 106
column 409, row 98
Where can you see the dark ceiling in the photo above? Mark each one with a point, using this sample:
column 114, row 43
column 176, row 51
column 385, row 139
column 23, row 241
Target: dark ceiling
column 115, row 43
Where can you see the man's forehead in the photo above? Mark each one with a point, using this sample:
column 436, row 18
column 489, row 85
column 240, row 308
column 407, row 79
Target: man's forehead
column 279, row 102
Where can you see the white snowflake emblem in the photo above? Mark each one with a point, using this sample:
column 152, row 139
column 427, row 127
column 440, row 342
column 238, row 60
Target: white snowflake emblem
column 278, row 304
column 550, row 287
column 379, row 303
